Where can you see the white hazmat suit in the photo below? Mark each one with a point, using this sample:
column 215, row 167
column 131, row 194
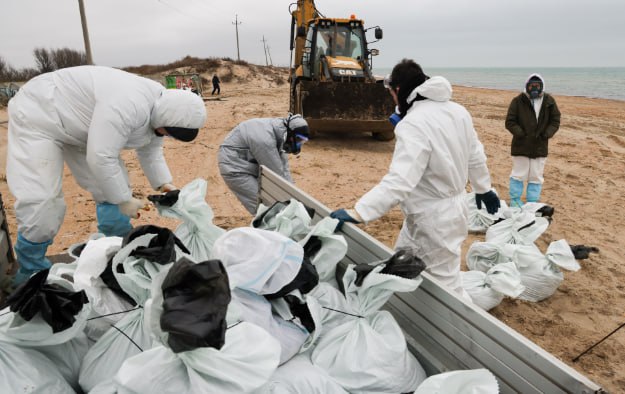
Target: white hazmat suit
column 436, row 152
column 85, row 116
column 251, row 144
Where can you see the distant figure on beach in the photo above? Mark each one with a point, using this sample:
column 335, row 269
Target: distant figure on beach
column 256, row 142
column 216, row 82
column 533, row 118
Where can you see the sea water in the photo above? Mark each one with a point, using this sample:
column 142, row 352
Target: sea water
column 597, row 82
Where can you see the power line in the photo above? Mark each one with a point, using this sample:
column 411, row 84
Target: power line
column 180, row 11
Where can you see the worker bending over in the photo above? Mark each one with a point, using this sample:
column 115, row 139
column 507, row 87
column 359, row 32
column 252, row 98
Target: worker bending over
column 256, row 142
column 437, row 151
column 85, row 116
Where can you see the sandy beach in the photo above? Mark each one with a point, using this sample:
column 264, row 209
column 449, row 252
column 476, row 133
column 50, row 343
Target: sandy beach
column 584, row 181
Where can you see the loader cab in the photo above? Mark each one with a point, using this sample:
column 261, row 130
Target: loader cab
column 335, row 49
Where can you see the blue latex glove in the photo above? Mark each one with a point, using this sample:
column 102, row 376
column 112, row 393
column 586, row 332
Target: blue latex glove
column 490, row 199
column 342, row 216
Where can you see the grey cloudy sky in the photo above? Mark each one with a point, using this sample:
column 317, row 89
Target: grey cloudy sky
column 436, row 33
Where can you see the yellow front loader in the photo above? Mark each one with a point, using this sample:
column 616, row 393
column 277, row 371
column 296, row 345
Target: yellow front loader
column 331, row 81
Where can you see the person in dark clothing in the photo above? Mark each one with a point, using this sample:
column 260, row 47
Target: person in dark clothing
column 533, row 118
column 216, row 82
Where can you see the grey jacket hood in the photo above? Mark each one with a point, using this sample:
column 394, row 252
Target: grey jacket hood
column 436, row 89
column 178, row 108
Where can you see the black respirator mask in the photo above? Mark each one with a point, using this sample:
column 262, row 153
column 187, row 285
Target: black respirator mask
column 534, row 89
column 295, row 138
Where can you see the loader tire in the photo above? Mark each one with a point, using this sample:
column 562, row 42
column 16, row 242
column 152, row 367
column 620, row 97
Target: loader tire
column 383, row 136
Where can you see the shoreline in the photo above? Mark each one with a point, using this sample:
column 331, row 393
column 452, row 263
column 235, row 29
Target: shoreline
column 553, row 94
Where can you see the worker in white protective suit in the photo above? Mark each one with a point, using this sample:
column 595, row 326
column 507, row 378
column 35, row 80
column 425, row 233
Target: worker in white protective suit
column 256, row 142
column 84, row 117
column 437, row 151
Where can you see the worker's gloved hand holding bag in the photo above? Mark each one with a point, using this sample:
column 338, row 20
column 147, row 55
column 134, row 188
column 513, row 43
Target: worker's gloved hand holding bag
column 490, row 200
column 131, row 207
column 345, row 215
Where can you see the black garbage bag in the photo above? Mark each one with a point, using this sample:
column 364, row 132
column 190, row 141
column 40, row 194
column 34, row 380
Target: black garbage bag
column 546, row 211
column 57, row 305
column 312, row 247
column 166, row 199
column 300, row 310
column 195, row 302
column 160, row 249
column 274, row 209
column 403, row 264
column 582, row 252
column 305, row 280
column 111, row 282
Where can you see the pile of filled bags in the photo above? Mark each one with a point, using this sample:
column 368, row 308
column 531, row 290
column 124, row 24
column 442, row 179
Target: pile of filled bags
column 270, row 308
column 508, row 262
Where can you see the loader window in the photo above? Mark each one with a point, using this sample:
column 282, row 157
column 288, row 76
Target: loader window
column 309, row 51
column 349, row 42
column 323, row 46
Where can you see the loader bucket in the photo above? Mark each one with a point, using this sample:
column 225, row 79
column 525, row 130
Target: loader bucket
column 345, row 107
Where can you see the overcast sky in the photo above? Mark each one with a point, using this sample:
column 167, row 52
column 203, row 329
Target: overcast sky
column 436, row 33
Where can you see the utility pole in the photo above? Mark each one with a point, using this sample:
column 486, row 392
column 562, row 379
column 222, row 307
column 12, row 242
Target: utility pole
column 269, row 53
column 236, row 24
column 85, row 31
column 265, row 48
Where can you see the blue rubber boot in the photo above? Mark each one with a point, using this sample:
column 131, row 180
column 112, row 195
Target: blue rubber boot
column 516, row 191
column 31, row 257
column 533, row 192
column 111, row 222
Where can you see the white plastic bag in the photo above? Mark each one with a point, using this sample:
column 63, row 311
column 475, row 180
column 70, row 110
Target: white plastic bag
column 37, row 332
column 488, row 289
column 24, row 370
column 521, row 228
column 291, row 220
column 540, row 274
column 255, row 309
column 64, row 348
column 367, row 351
column 299, row 375
column 197, row 232
column 482, row 256
column 130, row 335
column 244, row 363
column 259, row 261
column 105, row 303
column 333, row 249
column 477, row 381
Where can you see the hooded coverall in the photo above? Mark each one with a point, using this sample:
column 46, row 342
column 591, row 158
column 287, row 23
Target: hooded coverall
column 85, row 116
column 249, row 145
column 437, row 151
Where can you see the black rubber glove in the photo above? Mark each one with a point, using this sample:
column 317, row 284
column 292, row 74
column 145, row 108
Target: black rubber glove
column 490, row 199
column 342, row 216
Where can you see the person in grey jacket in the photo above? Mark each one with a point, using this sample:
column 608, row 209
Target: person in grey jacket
column 256, row 142
column 533, row 118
